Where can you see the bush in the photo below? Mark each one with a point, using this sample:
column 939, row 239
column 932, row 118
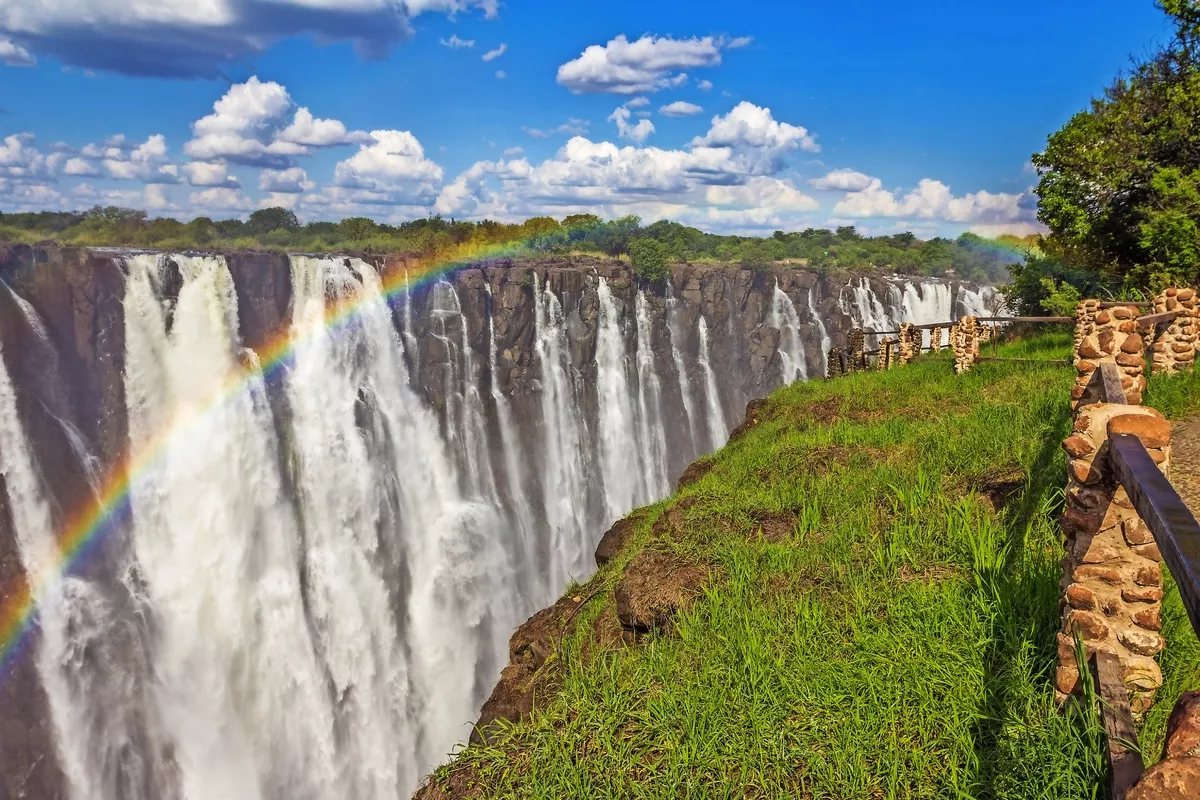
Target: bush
column 649, row 257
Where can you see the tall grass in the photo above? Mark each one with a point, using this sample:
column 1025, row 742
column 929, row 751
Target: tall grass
column 899, row 641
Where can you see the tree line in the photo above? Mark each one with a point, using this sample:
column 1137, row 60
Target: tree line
column 649, row 246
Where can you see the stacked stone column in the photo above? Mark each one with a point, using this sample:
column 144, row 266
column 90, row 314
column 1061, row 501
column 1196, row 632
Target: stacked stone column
column 905, row 351
column 964, row 341
column 1110, row 335
column 1085, row 322
column 1175, row 348
column 886, row 353
column 1112, row 575
column 935, row 340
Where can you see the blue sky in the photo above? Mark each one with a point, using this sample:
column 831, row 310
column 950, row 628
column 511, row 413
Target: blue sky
column 739, row 117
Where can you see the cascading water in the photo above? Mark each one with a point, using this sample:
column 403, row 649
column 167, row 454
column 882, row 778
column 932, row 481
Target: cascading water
column 717, row 432
column 217, row 545
column 531, row 579
column 564, row 482
column 978, row 302
column 791, row 346
column 681, row 369
column 322, row 566
column 651, row 429
column 822, row 331
column 621, row 467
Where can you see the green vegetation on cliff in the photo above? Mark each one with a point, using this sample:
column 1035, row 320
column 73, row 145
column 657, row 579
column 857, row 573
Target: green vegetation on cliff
column 857, row 597
column 969, row 256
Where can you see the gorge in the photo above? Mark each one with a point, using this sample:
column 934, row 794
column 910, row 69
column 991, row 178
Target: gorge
column 280, row 514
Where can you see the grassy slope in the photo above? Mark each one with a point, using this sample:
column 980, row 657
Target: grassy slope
column 872, row 628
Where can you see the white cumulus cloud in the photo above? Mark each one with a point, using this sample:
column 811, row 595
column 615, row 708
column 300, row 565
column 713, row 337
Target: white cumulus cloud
column 455, row 43
column 250, row 125
column 638, row 132
column 680, row 108
column 285, row 181
column 932, row 199
column 206, row 173
column 646, row 65
column 14, row 55
column 842, row 180
column 393, row 168
column 719, row 188
column 491, row 55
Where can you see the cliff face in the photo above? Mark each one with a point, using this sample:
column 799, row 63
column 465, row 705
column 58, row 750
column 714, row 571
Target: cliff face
column 564, row 394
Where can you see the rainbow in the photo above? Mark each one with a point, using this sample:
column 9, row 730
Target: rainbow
column 83, row 530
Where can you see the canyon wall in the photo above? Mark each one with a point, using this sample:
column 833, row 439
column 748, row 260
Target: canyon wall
column 305, row 500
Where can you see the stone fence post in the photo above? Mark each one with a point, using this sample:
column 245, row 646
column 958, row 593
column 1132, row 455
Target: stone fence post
column 964, row 341
column 1112, row 577
column 1175, row 349
column 1108, row 335
column 1085, row 322
column 885, row 353
column 907, row 350
column 935, row 340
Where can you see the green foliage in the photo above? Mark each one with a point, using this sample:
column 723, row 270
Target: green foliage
column 649, row 259
column 871, row 626
column 266, row 220
column 1043, row 285
column 760, row 256
column 970, row 257
column 1119, row 183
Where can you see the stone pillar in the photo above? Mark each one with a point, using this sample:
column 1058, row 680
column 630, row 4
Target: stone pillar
column 1175, row 348
column 935, row 340
column 833, row 363
column 886, row 353
column 1085, row 322
column 905, row 350
column 1112, row 577
column 856, row 339
column 1110, row 336
column 964, row 341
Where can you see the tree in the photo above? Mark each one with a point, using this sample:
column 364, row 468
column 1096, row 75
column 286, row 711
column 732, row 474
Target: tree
column 357, row 228
column 649, row 257
column 1120, row 182
column 847, row 232
column 275, row 218
column 758, row 255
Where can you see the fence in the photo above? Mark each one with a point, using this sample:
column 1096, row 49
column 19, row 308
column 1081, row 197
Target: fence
column 1122, row 520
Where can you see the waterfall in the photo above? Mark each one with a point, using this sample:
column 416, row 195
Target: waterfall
column 532, row 579
column 326, row 554
column 620, row 459
column 564, row 483
column 717, row 433
column 976, row 302
column 791, row 346
column 217, row 545
column 466, row 426
column 411, row 591
column 864, row 308
column 681, row 369
column 410, row 338
column 822, row 331
column 652, row 432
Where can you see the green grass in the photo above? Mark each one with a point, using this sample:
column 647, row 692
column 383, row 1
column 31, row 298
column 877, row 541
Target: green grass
column 898, row 640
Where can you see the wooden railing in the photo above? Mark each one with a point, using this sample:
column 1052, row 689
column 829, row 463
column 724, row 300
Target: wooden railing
column 1123, row 519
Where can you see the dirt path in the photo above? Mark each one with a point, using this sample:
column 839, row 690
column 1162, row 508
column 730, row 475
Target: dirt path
column 1185, row 462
